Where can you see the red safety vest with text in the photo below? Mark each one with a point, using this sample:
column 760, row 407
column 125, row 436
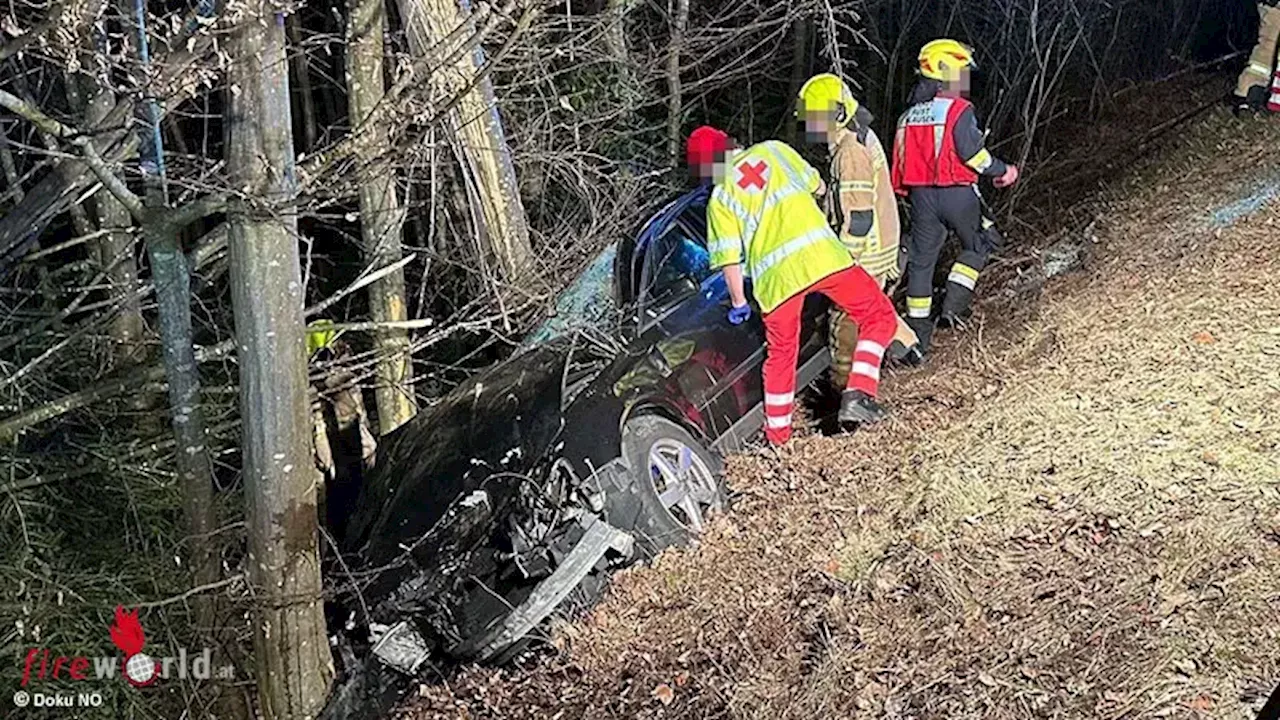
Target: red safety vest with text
column 924, row 148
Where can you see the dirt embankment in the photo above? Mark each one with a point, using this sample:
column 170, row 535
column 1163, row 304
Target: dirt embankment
column 1075, row 512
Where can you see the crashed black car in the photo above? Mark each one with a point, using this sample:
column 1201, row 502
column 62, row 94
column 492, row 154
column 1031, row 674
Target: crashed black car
column 597, row 444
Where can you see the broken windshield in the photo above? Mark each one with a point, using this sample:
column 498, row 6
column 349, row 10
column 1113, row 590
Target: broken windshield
column 587, row 303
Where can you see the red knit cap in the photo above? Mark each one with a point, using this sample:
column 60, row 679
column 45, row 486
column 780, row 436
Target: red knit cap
column 704, row 143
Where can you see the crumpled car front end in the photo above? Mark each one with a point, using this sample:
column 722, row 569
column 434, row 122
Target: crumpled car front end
column 470, row 529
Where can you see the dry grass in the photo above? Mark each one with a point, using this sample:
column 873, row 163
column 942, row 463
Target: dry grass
column 1078, row 517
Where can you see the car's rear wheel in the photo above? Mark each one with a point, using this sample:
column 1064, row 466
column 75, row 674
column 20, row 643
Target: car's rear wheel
column 679, row 482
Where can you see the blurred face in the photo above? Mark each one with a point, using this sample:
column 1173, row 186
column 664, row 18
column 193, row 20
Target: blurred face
column 819, row 123
column 714, row 171
column 962, row 84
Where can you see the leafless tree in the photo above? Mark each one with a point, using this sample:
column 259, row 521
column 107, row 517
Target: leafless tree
column 294, row 667
column 381, row 215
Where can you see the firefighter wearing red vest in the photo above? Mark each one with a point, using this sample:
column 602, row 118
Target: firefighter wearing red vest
column 762, row 215
column 938, row 156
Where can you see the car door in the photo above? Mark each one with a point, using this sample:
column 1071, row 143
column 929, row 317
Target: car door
column 682, row 308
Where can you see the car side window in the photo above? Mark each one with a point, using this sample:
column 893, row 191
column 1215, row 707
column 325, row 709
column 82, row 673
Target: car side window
column 675, row 264
column 695, row 217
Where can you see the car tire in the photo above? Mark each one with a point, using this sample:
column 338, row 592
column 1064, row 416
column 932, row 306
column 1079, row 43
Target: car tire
column 678, row 482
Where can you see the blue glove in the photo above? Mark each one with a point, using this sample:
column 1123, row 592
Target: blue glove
column 739, row 315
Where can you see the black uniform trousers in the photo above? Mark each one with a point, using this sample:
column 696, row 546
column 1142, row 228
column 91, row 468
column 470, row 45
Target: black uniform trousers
column 934, row 212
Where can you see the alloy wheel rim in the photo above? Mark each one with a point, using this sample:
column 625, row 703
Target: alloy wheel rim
column 685, row 485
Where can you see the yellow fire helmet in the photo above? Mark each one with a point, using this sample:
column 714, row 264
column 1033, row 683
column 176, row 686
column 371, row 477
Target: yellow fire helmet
column 944, row 59
column 826, row 91
column 320, row 335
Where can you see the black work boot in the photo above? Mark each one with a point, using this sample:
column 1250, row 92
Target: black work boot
column 955, row 307
column 1258, row 96
column 859, row 408
column 954, row 321
column 1255, row 101
column 923, row 328
column 902, row 355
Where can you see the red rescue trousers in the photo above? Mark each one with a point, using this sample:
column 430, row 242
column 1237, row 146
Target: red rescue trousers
column 856, row 293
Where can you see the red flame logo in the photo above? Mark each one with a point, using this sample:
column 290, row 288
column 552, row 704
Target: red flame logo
column 126, row 633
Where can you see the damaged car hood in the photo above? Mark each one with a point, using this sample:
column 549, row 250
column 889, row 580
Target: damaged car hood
column 484, row 435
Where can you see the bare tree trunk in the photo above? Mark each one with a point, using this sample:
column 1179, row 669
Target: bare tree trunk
column 476, row 131
column 10, row 168
column 116, row 248
column 675, row 101
column 294, row 666
column 172, row 280
column 302, row 74
column 615, row 39
column 381, row 217
column 116, row 254
column 799, row 72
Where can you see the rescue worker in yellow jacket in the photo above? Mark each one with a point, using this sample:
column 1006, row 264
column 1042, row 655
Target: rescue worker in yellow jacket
column 762, row 215
column 863, row 209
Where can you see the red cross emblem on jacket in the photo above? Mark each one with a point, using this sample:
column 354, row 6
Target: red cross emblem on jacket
column 753, row 177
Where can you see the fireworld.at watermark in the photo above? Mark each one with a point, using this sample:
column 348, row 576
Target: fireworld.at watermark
column 135, row 667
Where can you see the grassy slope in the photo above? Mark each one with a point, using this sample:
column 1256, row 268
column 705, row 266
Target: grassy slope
column 1077, row 517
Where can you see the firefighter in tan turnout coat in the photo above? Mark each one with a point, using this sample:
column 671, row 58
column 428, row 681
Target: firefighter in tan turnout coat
column 863, row 208
column 1259, row 83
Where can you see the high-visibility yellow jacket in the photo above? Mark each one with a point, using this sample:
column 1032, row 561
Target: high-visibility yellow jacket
column 763, row 214
column 863, row 208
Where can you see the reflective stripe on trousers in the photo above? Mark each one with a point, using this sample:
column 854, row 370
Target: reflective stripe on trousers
column 855, row 292
column 867, row 356
column 963, row 275
column 779, row 398
column 919, row 307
